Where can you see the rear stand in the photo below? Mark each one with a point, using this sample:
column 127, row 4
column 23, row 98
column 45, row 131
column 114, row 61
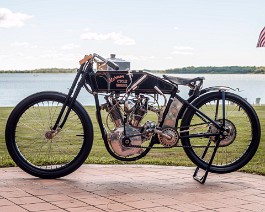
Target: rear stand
column 203, row 178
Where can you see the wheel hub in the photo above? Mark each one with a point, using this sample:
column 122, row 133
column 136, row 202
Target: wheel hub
column 227, row 136
column 52, row 133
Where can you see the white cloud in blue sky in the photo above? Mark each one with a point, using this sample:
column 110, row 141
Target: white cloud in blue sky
column 69, row 46
column 10, row 19
column 151, row 34
column 23, row 45
column 116, row 38
column 184, row 50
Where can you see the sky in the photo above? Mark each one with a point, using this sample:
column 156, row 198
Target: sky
column 151, row 34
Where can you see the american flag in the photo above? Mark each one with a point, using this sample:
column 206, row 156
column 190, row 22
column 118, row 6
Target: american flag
column 261, row 41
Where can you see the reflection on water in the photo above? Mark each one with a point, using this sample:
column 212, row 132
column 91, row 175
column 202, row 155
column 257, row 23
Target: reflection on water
column 15, row 87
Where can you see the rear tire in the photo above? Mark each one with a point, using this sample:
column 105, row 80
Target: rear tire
column 34, row 149
column 242, row 142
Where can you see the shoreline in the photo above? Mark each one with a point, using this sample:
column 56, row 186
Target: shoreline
column 154, row 72
column 183, row 70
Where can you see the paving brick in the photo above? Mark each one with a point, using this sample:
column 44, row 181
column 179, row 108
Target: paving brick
column 81, row 195
column 14, row 193
column 4, row 202
column 187, row 207
column 108, row 192
column 55, row 197
column 70, row 204
column 87, row 208
column 44, row 191
column 125, row 198
column 131, row 188
column 231, row 209
column 253, row 207
column 166, row 201
column 25, row 200
column 233, row 201
column 142, row 204
column 253, row 198
column 115, row 207
column 160, row 209
column 97, row 201
column 39, row 207
column 12, row 208
column 210, row 204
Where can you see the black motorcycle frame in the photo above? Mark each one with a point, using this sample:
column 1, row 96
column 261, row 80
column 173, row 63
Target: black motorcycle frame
column 86, row 75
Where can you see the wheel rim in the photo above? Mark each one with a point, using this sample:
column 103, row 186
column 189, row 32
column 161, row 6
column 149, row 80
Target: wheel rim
column 235, row 145
column 43, row 148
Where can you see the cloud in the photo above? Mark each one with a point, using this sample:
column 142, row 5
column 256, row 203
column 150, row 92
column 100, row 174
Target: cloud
column 10, row 19
column 139, row 57
column 116, row 38
column 130, row 57
column 69, row 46
column 176, row 28
column 183, row 53
column 24, row 45
column 4, row 56
column 56, row 55
column 183, row 50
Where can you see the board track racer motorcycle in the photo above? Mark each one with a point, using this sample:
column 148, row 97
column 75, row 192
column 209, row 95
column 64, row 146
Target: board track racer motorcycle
column 50, row 134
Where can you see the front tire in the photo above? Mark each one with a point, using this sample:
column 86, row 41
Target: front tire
column 35, row 149
column 237, row 148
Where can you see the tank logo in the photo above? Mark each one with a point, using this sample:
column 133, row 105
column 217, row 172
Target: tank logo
column 113, row 79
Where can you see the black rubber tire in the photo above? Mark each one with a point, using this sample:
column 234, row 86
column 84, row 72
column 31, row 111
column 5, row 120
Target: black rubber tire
column 250, row 124
column 25, row 131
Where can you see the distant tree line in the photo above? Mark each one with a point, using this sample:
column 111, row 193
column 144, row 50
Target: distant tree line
column 185, row 70
column 42, row 70
column 218, row 70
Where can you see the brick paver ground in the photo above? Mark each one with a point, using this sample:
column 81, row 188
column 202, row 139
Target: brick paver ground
column 131, row 188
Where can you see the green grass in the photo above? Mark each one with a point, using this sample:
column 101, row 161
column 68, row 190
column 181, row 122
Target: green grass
column 174, row 156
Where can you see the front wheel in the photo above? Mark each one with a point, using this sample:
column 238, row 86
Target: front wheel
column 38, row 149
column 240, row 141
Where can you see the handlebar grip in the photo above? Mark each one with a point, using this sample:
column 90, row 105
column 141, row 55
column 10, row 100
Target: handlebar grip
column 86, row 58
column 113, row 65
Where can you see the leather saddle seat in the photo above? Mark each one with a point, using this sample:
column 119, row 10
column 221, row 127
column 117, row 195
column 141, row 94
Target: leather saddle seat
column 182, row 81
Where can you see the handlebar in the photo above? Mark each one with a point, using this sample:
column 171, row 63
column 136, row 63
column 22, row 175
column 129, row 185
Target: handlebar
column 108, row 62
column 113, row 65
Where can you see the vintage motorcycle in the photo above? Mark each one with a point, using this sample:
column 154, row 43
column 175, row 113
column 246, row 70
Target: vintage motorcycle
column 50, row 134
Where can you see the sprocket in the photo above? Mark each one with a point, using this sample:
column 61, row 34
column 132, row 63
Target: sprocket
column 173, row 137
column 229, row 135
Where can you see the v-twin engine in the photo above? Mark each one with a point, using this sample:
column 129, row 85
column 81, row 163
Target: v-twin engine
column 128, row 133
column 122, row 137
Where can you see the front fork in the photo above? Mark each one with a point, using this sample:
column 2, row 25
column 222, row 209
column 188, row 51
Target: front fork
column 75, row 88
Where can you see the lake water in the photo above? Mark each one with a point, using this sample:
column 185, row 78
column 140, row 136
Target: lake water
column 15, row 87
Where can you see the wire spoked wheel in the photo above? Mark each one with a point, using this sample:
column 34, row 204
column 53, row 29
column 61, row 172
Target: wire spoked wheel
column 238, row 143
column 39, row 149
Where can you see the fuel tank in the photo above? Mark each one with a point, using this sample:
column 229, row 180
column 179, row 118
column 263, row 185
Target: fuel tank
column 118, row 81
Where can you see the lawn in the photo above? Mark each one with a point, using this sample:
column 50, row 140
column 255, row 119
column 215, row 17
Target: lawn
column 173, row 156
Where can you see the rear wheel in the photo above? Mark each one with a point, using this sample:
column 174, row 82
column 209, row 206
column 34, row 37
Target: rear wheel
column 237, row 146
column 36, row 147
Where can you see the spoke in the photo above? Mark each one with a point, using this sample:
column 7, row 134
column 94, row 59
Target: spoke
column 216, row 111
column 51, row 153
